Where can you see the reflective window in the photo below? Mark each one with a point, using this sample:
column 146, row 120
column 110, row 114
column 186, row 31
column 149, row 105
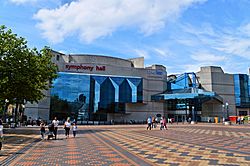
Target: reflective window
column 85, row 97
column 241, row 90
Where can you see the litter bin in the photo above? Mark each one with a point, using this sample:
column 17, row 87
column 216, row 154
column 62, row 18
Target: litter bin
column 215, row 119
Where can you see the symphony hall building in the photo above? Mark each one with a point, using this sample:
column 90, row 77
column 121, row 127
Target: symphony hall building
column 103, row 88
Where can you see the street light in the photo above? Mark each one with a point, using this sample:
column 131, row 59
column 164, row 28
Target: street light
column 5, row 109
column 193, row 114
column 223, row 112
column 187, row 112
column 227, row 110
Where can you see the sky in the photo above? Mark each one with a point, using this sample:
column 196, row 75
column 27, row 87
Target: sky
column 182, row 35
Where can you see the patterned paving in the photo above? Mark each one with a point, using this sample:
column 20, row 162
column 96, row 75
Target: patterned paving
column 15, row 145
column 134, row 145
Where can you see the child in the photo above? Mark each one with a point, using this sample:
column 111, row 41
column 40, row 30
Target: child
column 74, row 128
column 42, row 130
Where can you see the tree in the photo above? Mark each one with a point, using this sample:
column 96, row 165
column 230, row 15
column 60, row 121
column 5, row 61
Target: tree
column 24, row 72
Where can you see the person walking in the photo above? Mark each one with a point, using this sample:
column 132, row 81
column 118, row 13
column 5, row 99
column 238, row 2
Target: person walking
column 164, row 123
column 1, row 134
column 149, row 123
column 74, row 128
column 56, row 123
column 42, row 130
column 67, row 126
column 153, row 122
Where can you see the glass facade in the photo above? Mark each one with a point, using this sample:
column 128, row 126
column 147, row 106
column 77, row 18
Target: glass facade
column 183, row 81
column 91, row 97
column 242, row 90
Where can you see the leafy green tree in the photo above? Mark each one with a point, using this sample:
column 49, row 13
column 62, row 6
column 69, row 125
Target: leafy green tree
column 24, row 73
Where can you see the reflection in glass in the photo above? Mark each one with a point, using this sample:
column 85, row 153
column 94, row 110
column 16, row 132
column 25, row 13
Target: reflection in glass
column 91, row 97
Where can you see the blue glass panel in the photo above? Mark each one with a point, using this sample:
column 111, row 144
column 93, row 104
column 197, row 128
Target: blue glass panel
column 97, row 96
column 140, row 91
column 70, row 96
column 118, row 80
column 99, row 79
column 241, row 90
column 135, row 81
column 107, row 95
column 134, row 91
column 125, row 94
column 84, row 96
column 116, row 90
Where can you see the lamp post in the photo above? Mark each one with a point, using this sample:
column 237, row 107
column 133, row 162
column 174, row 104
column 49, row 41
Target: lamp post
column 193, row 114
column 187, row 112
column 22, row 112
column 5, row 109
column 223, row 112
column 227, row 110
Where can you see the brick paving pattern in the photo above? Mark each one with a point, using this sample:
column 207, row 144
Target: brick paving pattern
column 203, row 144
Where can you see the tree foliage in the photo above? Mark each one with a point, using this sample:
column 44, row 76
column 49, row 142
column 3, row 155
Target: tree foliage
column 24, row 72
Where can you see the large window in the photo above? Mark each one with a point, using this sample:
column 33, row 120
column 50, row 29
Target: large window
column 89, row 97
column 241, row 90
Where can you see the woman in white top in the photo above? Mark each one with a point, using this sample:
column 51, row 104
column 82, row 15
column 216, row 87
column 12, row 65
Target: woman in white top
column 1, row 134
column 56, row 123
column 67, row 125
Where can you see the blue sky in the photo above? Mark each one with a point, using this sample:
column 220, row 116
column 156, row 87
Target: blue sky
column 182, row 35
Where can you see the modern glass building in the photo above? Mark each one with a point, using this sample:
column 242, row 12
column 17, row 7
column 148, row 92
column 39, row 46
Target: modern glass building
column 242, row 93
column 104, row 88
column 184, row 97
column 91, row 97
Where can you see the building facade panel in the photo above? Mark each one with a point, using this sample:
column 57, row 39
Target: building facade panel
column 94, row 87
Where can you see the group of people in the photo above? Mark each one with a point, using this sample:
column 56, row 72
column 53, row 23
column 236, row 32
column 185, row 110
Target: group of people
column 53, row 128
column 152, row 123
column 240, row 120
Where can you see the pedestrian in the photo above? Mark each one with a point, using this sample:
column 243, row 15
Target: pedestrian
column 149, row 120
column 74, row 128
column 161, row 122
column 55, row 123
column 1, row 134
column 42, row 130
column 153, row 122
column 51, row 131
column 164, row 123
column 67, row 126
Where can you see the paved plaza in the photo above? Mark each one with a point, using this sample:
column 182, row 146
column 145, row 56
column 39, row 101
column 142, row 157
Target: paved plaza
column 182, row 144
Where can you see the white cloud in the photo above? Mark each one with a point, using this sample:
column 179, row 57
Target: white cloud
column 233, row 42
column 206, row 57
column 142, row 53
column 235, row 45
column 162, row 53
column 245, row 29
column 22, row 1
column 92, row 19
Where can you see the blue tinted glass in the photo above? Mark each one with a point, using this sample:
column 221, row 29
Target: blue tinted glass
column 118, row 80
column 107, row 95
column 81, row 96
column 134, row 90
column 125, row 93
column 116, row 90
column 241, row 90
column 70, row 96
